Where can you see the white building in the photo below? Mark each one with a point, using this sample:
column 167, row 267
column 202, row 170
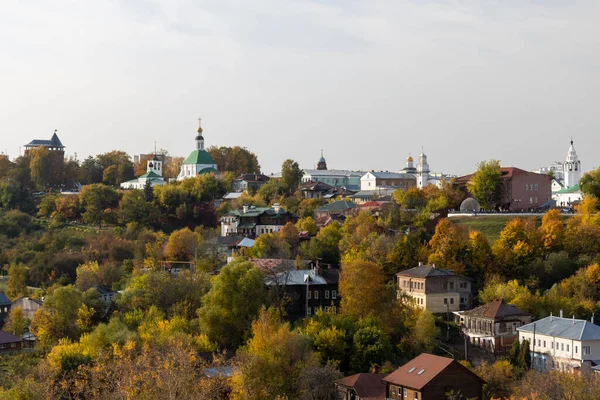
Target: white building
column 565, row 185
column 564, row 344
column 154, row 170
column 198, row 162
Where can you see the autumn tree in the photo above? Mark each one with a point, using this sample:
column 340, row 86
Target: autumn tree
column 486, row 184
column 182, row 245
column 425, row 333
column 17, row 322
column 134, row 207
column 90, row 171
column 370, row 346
column 448, row 246
column 40, row 165
column 233, row 301
column 271, row 364
column 237, row 160
column 57, row 318
column 307, row 224
column 116, row 166
column 357, row 278
column 518, row 245
column 552, row 231
column 17, row 281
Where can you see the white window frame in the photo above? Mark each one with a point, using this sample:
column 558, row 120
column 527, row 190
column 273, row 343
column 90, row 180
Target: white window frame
column 334, row 294
column 309, row 310
column 327, row 294
column 316, row 295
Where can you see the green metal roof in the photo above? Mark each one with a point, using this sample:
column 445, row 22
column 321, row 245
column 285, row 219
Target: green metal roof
column 199, row 157
column 571, row 189
column 207, row 170
column 150, row 175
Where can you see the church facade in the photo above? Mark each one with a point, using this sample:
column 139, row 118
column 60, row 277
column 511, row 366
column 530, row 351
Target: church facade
column 198, row 162
column 566, row 176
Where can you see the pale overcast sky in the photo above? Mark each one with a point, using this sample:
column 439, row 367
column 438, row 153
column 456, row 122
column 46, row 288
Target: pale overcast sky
column 368, row 81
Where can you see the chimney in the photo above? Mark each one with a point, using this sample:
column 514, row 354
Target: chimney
column 592, row 318
column 573, row 319
column 551, row 316
column 276, row 207
column 245, row 208
column 433, row 265
column 420, row 263
column 561, row 315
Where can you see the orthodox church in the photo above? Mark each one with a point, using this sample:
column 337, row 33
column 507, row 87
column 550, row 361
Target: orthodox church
column 199, row 161
column 153, row 174
column 566, row 191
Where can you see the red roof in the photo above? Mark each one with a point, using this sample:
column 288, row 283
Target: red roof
column 421, row 370
column 366, row 386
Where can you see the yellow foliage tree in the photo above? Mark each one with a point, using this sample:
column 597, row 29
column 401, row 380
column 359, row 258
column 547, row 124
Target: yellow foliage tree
column 552, row 231
column 358, row 278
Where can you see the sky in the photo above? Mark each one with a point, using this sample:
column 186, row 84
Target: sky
column 369, row 82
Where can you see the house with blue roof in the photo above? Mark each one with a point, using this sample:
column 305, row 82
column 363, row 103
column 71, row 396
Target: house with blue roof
column 565, row 344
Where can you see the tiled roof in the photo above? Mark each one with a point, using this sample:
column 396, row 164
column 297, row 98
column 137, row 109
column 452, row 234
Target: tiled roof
column 421, row 370
column 567, row 328
column 496, row 309
column 426, row 271
column 6, row 337
column 366, row 386
column 253, row 178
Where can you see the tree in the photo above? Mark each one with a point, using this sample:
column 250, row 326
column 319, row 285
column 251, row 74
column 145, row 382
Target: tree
column 90, row 171
column 233, row 301
column 448, row 246
column 40, row 165
column 235, row 159
column 116, row 167
column 272, row 363
column 525, row 355
column 590, row 183
column 57, row 318
column 357, row 278
column 425, row 333
column 17, row 281
column 172, row 168
column 552, row 231
column 182, row 245
column 370, row 346
column 486, row 184
column 515, row 353
column 148, row 191
column 307, row 224
column 291, row 175
column 17, row 323
column 134, row 207
column 97, row 199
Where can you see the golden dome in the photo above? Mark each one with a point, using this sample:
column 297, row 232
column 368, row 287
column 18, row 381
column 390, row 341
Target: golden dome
column 409, row 159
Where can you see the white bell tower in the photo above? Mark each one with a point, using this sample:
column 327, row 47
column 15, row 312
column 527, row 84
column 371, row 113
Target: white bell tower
column 422, row 171
column 572, row 167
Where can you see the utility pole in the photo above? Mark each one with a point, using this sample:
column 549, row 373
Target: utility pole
column 447, row 322
column 533, row 348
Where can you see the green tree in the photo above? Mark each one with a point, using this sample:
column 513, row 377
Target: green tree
column 182, row 245
column 425, row 333
column 57, row 318
column 133, row 207
column 40, row 165
column 370, row 346
column 525, row 355
column 590, row 183
column 291, row 175
column 17, row 322
column 96, row 200
column 236, row 296
column 116, row 167
column 17, row 281
column 486, row 184
column 148, row 191
column 515, row 353
column 90, row 171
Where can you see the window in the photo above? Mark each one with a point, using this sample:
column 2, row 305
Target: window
column 526, row 187
column 309, row 294
column 567, row 347
column 416, row 395
column 576, row 350
column 536, row 187
column 316, row 295
column 405, row 392
column 13, row 345
column 452, row 285
column 308, row 310
column 531, row 200
column 552, row 345
column 562, row 347
column 445, row 285
column 451, row 300
column 327, row 294
column 544, row 344
column 334, row 294
column 393, row 389
column 586, row 350
column 445, row 300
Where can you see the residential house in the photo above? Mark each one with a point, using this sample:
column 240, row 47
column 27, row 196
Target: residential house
column 429, row 377
column 493, row 326
column 565, row 344
column 435, row 289
column 253, row 221
column 361, row 386
column 387, row 180
column 318, row 190
column 5, row 305
column 249, row 182
column 521, row 190
column 340, row 207
column 9, row 342
column 106, row 295
column 303, row 291
column 28, row 305
column 375, row 207
column 366, row 196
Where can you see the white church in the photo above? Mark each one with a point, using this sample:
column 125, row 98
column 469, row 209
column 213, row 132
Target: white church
column 154, row 171
column 565, row 185
column 199, row 161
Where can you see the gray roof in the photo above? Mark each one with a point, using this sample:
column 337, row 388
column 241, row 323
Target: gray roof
column 371, row 193
column 53, row 142
column 392, row 175
column 4, row 300
column 256, row 211
column 426, row 271
column 333, row 172
column 567, row 328
column 300, row 277
column 6, row 338
column 341, row 205
column 232, row 195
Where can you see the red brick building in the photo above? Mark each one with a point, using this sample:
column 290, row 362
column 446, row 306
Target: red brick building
column 521, row 190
